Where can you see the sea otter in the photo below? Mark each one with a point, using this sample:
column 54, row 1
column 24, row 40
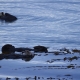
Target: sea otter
column 7, row 17
column 8, row 49
column 40, row 49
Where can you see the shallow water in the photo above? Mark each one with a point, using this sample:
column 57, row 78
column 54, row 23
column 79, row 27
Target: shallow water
column 51, row 23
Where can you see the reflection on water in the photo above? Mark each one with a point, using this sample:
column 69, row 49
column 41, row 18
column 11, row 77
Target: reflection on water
column 45, row 63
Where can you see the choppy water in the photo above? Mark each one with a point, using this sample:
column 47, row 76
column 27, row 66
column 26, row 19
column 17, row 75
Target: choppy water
column 51, row 23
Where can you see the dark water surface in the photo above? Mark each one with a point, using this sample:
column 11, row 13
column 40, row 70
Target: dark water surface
column 51, row 23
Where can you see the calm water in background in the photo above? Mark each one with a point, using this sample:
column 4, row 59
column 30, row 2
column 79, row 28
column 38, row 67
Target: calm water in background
column 51, row 23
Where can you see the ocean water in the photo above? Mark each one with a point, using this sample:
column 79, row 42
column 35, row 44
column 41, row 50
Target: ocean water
column 51, row 23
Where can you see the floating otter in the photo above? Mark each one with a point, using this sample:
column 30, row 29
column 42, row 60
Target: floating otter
column 8, row 49
column 40, row 49
column 7, row 17
column 8, row 52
